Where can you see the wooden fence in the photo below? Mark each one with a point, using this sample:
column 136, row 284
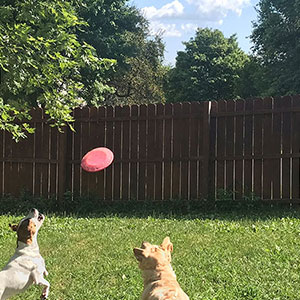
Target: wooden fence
column 172, row 151
column 255, row 148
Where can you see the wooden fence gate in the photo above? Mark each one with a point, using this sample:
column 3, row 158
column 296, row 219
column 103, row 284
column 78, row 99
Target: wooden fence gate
column 172, row 151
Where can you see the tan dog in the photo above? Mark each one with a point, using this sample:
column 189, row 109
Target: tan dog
column 159, row 278
column 26, row 267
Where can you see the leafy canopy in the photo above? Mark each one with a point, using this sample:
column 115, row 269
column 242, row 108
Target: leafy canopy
column 43, row 63
column 119, row 31
column 208, row 69
column 276, row 38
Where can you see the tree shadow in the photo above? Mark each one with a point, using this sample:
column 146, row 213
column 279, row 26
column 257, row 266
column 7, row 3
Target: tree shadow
column 189, row 210
column 92, row 207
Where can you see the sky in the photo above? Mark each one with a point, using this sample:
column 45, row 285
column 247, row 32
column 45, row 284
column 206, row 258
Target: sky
column 179, row 19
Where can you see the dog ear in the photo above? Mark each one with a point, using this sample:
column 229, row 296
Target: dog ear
column 167, row 245
column 13, row 227
column 145, row 245
column 139, row 253
column 26, row 231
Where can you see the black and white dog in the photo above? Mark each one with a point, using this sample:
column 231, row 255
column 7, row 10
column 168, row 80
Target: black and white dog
column 26, row 267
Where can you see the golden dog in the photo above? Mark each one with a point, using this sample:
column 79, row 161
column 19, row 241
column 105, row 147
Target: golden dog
column 159, row 278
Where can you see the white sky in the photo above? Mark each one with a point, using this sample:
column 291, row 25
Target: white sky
column 178, row 20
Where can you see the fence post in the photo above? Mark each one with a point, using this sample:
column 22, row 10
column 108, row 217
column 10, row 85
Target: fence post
column 62, row 165
column 206, row 151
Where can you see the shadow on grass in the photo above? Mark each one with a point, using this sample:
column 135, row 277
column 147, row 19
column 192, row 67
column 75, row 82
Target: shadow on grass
column 176, row 209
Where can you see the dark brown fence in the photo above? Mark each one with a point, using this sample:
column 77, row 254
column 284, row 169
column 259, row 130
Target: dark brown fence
column 172, row 151
column 255, row 148
column 159, row 151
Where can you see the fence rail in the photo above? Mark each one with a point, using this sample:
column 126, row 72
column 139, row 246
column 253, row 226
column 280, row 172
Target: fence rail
column 183, row 150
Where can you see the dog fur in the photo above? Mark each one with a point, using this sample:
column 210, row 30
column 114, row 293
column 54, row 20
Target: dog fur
column 159, row 278
column 26, row 266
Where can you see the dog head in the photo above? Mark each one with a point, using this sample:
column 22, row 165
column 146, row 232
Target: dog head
column 29, row 226
column 152, row 257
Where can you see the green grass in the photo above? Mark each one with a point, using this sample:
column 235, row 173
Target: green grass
column 243, row 255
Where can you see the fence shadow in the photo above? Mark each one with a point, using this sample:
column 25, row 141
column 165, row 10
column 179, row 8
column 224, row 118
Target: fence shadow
column 92, row 207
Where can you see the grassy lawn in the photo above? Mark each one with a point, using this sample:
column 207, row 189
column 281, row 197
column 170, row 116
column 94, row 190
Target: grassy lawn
column 254, row 255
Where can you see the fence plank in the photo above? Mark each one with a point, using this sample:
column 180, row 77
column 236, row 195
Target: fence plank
column 23, row 181
column 85, row 147
column 168, row 152
column 125, row 174
column 29, row 151
column 239, row 150
column 276, row 149
column 221, row 140
column 2, row 156
column 286, row 148
column 8, row 174
column 45, row 167
column 15, row 168
column 38, row 142
column 92, row 143
column 267, row 149
column 295, row 148
column 142, row 153
column 109, row 143
column 53, row 180
column 258, row 148
column 176, row 166
column 159, row 144
column 134, row 141
column 151, row 151
column 205, row 150
column 248, row 189
column 77, row 153
column 194, row 149
column 213, row 149
column 69, row 158
column 229, row 184
column 117, row 149
column 62, row 164
column 100, row 176
column 185, row 151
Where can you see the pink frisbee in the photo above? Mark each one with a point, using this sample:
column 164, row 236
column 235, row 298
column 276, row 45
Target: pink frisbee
column 97, row 159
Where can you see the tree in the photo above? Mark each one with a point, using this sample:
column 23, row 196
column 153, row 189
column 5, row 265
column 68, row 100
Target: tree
column 119, row 31
column 208, row 69
column 142, row 82
column 111, row 25
column 252, row 80
column 43, row 63
column 276, row 38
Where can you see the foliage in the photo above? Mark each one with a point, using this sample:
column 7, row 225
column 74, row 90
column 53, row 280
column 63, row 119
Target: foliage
column 9, row 117
column 235, row 255
column 208, row 69
column 253, row 80
column 276, row 38
column 42, row 62
column 143, row 82
column 119, row 31
column 110, row 23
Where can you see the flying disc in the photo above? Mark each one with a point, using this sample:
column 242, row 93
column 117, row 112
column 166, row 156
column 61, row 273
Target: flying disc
column 97, row 159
